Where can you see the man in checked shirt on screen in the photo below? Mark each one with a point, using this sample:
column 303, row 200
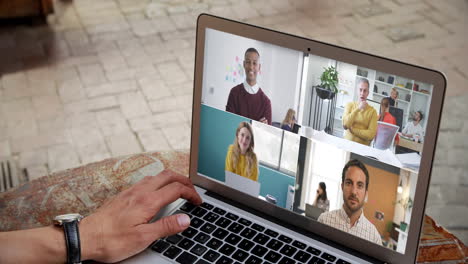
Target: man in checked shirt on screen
column 350, row 218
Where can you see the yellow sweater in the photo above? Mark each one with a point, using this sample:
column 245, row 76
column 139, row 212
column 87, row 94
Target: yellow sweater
column 363, row 123
column 241, row 168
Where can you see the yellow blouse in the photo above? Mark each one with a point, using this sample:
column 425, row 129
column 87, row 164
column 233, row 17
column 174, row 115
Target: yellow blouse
column 363, row 123
column 241, row 168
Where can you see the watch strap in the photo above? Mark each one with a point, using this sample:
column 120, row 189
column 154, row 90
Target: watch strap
column 72, row 240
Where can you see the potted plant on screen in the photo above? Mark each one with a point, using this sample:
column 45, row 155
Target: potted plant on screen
column 328, row 83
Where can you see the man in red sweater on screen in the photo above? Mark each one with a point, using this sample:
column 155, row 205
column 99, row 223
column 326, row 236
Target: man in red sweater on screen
column 247, row 99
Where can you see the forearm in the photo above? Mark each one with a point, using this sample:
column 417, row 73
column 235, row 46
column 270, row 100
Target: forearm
column 38, row 245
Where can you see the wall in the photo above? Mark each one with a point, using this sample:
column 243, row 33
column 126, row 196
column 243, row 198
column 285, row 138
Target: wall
column 279, row 77
column 381, row 196
column 217, row 132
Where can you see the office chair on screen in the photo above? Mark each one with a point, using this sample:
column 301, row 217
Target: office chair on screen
column 385, row 135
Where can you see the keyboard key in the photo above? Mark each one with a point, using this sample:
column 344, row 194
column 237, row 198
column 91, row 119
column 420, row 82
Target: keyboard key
column 246, row 245
column 233, row 239
column 207, row 206
column 223, row 222
column 245, row 222
column 202, row 261
column 232, row 216
column 211, row 255
column 259, row 251
column 219, row 211
column 275, row 244
column 160, row 246
column 286, row 260
column 340, row 261
column 240, row 255
column 285, row 239
column 302, row 256
column 261, row 239
column 187, row 207
column 328, row 257
column 253, row 260
column 198, row 249
column 186, row 244
column 248, row 233
column 172, row 252
column 189, row 232
column 288, row 250
column 224, row 260
column 186, row 258
column 313, row 251
column 214, row 243
column 227, row 249
column 316, row 260
column 200, row 212
column 208, row 228
column 202, row 238
column 258, row 227
column 220, row 233
column 273, row 256
column 299, row 245
column 235, row 228
column 271, row 233
column 211, row 217
column 196, row 222
column 174, row 239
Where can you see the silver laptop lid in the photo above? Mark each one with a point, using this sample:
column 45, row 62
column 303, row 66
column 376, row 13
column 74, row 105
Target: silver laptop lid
column 252, row 85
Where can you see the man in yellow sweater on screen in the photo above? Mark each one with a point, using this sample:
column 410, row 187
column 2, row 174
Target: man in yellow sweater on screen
column 359, row 118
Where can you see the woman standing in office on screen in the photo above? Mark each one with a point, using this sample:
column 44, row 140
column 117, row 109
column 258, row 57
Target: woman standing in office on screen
column 321, row 200
column 241, row 158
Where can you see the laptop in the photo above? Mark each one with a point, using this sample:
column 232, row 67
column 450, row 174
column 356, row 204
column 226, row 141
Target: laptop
column 238, row 182
column 232, row 226
column 313, row 211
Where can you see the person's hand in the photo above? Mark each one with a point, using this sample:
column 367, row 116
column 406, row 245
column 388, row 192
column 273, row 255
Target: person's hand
column 264, row 120
column 362, row 105
column 120, row 228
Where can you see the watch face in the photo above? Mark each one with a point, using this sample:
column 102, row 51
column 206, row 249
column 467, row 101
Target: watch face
column 68, row 217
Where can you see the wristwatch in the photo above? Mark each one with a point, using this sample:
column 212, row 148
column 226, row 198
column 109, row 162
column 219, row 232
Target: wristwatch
column 69, row 222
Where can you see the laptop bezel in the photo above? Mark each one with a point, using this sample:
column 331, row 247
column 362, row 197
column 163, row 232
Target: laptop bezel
column 344, row 55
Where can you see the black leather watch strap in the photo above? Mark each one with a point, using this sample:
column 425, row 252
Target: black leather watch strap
column 72, row 240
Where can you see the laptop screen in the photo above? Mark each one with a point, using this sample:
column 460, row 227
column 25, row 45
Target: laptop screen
column 304, row 128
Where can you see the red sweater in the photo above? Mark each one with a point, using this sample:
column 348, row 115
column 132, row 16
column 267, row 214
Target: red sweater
column 253, row 106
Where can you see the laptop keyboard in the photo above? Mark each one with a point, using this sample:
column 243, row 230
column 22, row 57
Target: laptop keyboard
column 221, row 237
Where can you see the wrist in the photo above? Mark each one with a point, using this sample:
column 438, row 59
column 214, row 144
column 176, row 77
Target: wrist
column 91, row 243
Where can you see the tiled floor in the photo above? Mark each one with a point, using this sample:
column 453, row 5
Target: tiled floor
column 113, row 77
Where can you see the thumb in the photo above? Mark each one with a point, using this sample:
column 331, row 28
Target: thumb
column 170, row 225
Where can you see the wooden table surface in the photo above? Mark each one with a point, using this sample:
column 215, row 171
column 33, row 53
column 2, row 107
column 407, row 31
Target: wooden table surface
column 85, row 188
column 410, row 144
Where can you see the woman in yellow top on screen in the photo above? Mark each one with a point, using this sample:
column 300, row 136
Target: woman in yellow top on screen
column 241, row 158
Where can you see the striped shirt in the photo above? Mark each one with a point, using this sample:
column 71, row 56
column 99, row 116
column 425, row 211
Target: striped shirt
column 362, row 228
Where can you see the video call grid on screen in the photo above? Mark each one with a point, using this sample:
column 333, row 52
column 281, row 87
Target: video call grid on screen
column 288, row 78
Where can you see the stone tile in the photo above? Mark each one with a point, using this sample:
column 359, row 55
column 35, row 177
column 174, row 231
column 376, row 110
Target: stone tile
column 112, row 60
column 130, row 6
column 36, row 172
column 182, row 89
column 61, row 157
column 112, row 122
column 43, row 73
column 171, row 104
column 15, row 85
column 41, row 140
column 153, row 140
column 178, row 136
column 184, row 21
column 102, row 103
column 76, row 37
column 143, row 28
column 71, row 90
column 75, row 61
column 133, row 104
column 33, row 158
column 5, row 150
column 123, row 144
column 157, row 120
column 92, row 74
column 172, row 73
column 111, row 88
column 52, row 124
column 25, row 125
column 93, row 153
column 449, row 215
column 46, row 107
column 154, row 88
column 85, row 136
column 154, row 10
column 244, row 11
